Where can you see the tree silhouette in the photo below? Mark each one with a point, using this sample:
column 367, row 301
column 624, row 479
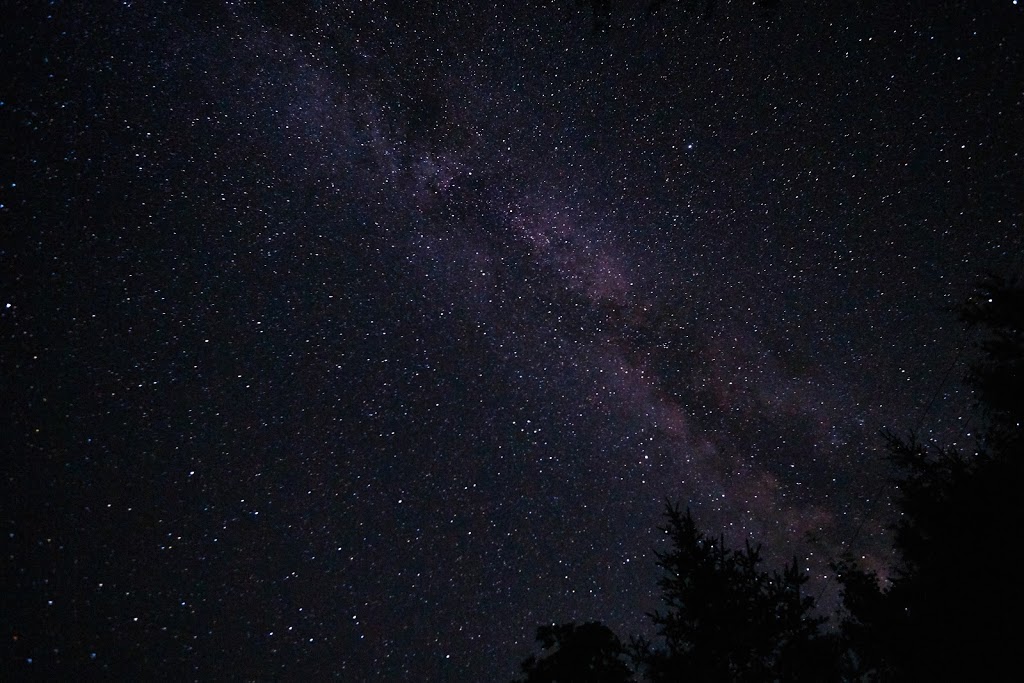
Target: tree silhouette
column 949, row 610
column 945, row 613
column 727, row 620
column 998, row 376
column 724, row 619
column 590, row 653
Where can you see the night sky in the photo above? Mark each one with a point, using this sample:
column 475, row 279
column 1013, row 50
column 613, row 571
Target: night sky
column 358, row 339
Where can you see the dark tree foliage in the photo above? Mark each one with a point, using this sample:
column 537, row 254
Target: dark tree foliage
column 578, row 654
column 727, row 620
column 724, row 619
column 949, row 609
column 998, row 376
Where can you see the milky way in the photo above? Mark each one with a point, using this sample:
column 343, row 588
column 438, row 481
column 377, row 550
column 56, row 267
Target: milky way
column 358, row 339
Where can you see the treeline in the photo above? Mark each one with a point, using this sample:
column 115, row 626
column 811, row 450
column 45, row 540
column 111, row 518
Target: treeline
column 949, row 610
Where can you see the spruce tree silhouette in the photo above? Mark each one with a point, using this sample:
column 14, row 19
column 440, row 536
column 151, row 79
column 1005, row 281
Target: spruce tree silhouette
column 727, row 620
column 590, row 653
column 724, row 619
column 949, row 611
column 998, row 376
column 951, row 608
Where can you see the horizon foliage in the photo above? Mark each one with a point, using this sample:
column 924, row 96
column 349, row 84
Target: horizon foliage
column 947, row 612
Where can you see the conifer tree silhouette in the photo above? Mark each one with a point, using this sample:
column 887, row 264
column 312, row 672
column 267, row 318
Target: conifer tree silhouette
column 725, row 619
column 948, row 610
column 590, row 653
